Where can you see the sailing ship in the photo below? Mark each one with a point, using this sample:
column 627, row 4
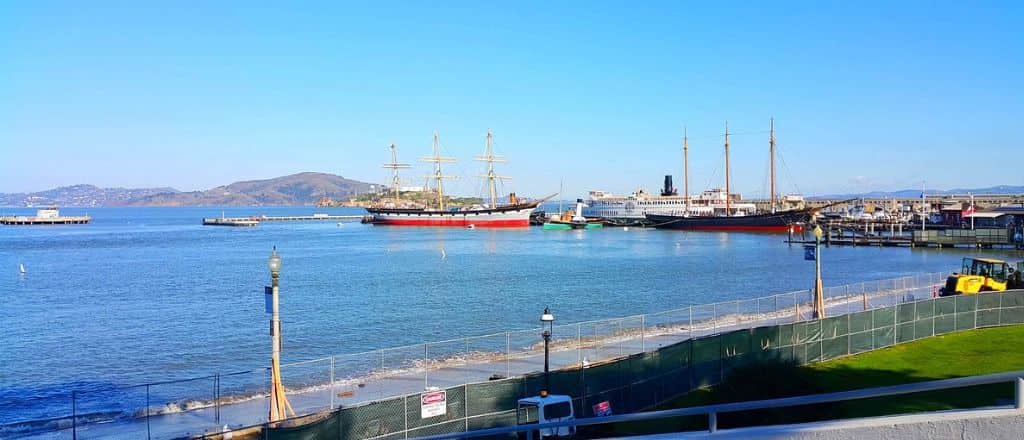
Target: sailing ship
column 731, row 219
column 515, row 213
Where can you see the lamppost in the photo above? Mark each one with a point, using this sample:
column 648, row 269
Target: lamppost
column 278, row 400
column 819, row 293
column 549, row 319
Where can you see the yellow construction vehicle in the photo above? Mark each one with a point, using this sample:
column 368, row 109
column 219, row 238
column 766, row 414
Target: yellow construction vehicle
column 983, row 275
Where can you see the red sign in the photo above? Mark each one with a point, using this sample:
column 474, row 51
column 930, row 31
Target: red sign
column 433, row 404
column 603, row 409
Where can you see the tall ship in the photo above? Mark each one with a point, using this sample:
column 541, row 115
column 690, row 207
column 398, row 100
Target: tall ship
column 732, row 218
column 515, row 213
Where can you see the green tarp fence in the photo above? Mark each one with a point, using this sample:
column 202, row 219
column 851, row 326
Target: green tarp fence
column 643, row 380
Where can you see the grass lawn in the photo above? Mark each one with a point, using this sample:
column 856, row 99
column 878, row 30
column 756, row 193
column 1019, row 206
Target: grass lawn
column 968, row 353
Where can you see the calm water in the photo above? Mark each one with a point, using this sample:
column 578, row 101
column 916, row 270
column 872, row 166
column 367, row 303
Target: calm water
column 148, row 294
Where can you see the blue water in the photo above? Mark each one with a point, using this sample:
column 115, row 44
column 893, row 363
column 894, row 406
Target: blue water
column 149, row 294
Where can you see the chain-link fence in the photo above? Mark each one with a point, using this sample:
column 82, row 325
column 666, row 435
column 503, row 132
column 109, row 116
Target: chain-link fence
column 228, row 401
column 642, row 380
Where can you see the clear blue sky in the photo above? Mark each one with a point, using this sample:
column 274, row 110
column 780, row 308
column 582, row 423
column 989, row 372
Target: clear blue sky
column 192, row 95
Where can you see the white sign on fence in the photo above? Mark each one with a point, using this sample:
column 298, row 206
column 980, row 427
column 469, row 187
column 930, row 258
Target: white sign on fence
column 433, row 404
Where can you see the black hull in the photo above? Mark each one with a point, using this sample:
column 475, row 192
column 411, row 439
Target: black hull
column 777, row 222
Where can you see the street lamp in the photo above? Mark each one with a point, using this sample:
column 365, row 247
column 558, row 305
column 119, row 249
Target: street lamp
column 549, row 319
column 819, row 300
column 279, row 404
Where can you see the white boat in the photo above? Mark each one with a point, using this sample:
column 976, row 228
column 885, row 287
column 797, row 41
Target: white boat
column 641, row 203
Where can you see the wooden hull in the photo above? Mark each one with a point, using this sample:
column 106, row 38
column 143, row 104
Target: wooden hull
column 777, row 222
column 517, row 216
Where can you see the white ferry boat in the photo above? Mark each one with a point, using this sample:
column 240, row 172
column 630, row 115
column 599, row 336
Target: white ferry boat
column 640, row 203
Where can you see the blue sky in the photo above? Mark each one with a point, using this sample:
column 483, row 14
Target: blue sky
column 191, row 95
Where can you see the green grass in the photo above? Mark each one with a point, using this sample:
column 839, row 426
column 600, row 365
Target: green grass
column 969, row 353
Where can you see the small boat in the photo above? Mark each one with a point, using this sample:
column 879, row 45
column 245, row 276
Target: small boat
column 573, row 219
column 21, row 269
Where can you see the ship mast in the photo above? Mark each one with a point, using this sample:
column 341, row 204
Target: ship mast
column 686, row 170
column 727, row 196
column 491, row 177
column 438, row 176
column 771, row 161
column 395, row 166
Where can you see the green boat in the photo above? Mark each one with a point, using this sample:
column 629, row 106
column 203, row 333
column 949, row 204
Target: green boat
column 555, row 225
column 573, row 219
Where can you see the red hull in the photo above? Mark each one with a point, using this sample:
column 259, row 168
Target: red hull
column 456, row 223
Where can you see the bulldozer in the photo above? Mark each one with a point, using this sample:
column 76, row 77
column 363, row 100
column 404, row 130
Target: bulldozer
column 983, row 275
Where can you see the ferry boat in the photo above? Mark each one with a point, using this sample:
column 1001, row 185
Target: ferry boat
column 640, row 203
column 516, row 213
column 732, row 218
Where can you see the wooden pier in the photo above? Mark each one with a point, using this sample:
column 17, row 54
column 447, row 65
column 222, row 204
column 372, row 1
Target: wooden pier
column 905, row 235
column 257, row 219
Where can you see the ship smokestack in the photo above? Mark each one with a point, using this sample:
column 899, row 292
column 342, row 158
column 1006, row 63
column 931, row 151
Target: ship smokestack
column 668, row 190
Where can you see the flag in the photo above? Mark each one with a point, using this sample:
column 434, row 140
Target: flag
column 968, row 211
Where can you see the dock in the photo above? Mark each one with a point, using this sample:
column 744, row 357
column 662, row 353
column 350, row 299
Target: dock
column 45, row 216
column 254, row 220
column 901, row 235
column 30, row 221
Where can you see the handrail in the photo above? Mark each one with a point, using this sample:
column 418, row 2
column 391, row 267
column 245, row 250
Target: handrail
column 712, row 410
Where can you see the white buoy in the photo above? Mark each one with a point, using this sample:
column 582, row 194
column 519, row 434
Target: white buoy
column 21, row 268
column 444, row 255
column 625, row 228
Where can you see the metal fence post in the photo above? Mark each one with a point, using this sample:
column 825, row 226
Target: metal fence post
column 690, row 325
column 643, row 322
column 331, row 388
column 74, row 415
column 216, row 398
column 508, row 355
column 405, row 414
column 714, row 318
column 712, row 422
column 425, row 354
column 149, row 434
column 465, row 403
column 579, row 343
column 620, row 337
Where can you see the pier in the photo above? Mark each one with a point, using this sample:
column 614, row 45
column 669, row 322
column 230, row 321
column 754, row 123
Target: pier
column 45, row 216
column 255, row 220
column 895, row 234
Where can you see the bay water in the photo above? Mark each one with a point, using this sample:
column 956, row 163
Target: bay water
column 149, row 294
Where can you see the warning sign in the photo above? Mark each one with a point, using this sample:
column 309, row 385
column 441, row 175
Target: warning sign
column 433, row 404
column 603, row 409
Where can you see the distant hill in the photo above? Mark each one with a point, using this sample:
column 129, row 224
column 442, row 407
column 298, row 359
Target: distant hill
column 81, row 196
column 913, row 193
column 296, row 189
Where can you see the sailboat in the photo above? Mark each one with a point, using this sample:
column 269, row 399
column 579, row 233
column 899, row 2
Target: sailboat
column 516, row 213
column 773, row 221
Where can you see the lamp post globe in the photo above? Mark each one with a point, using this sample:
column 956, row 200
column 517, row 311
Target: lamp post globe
column 274, row 263
column 549, row 319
